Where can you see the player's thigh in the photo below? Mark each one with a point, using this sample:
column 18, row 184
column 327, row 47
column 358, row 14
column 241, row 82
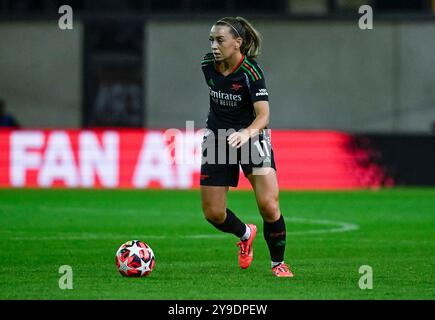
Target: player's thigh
column 214, row 201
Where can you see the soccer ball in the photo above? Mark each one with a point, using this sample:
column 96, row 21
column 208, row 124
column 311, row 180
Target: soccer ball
column 135, row 259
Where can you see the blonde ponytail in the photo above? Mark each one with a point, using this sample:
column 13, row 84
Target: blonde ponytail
column 252, row 41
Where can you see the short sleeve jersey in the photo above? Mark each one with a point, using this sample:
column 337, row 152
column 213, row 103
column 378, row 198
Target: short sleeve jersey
column 232, row 97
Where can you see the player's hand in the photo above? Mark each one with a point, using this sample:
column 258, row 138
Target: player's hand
column 237, row 139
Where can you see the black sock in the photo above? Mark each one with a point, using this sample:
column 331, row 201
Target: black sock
column 232, row 224
column 275, row 235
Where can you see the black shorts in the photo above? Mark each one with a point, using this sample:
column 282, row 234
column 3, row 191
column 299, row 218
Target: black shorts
column 220, row 163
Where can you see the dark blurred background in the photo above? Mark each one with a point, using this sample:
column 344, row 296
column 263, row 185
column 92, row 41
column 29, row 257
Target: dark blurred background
column 253, row 6
column 124, row 64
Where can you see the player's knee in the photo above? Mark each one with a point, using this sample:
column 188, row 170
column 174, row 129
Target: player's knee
column 270, row 209
column 214, row 214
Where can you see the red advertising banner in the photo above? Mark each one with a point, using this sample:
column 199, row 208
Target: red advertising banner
column 171, row 159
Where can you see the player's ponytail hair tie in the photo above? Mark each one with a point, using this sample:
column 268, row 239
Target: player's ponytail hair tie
column 240, row 27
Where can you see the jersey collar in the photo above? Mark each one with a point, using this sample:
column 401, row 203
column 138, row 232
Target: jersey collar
column 237, row 67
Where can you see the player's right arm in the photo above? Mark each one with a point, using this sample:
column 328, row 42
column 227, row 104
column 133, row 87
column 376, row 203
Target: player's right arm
column 207, row 60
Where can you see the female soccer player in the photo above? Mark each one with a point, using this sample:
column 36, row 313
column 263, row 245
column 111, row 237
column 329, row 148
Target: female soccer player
column 236, row 136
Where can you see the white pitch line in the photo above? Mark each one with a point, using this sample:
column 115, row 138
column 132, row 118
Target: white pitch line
column 339, row 227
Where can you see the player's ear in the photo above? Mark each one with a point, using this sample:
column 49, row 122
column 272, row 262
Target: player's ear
column 239, row 42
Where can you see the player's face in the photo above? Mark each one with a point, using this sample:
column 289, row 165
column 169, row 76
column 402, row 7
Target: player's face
column 222, row 43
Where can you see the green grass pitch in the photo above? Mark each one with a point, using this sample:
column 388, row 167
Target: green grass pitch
column 330, row 235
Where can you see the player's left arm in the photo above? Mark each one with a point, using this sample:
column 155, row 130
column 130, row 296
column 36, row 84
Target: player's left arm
column 261, row 121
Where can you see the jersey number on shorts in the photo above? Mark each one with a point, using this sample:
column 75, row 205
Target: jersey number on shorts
column 260, row 149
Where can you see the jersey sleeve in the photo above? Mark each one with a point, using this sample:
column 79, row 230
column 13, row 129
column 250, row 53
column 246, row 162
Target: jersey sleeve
column 257, row 83
column 207, row 61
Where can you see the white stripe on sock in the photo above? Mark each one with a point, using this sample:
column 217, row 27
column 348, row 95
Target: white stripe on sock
column 247, row 233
